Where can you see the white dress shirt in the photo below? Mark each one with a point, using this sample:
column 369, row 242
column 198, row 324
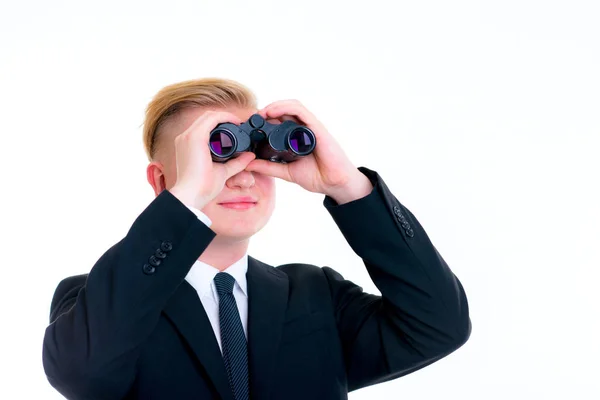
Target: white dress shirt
column 201, row 277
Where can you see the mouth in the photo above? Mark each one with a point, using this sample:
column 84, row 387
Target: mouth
column 244, row 205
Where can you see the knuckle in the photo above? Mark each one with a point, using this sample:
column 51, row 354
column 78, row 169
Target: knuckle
column 222, row 116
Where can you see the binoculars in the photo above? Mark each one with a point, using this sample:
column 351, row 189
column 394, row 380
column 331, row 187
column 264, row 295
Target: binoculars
column 282, row 143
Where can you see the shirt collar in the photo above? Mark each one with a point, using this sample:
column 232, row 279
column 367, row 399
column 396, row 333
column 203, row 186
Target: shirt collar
column 201, row 275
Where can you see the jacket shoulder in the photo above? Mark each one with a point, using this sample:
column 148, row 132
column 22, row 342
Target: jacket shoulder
column 66, row 293
column 299, row 271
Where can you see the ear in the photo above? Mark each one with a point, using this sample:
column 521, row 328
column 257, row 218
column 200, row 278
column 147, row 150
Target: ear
column 156, row 177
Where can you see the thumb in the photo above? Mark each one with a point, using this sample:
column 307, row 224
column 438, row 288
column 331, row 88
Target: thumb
column 270, row 168
column 238, row 164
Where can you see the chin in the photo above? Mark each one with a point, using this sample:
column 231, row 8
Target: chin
column 235, row 231
column 238, row 225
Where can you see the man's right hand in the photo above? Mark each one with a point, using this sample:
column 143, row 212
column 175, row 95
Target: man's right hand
column 199, row 179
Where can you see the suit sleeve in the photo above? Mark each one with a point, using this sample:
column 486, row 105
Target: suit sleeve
column 97, row 325
column 422, row 314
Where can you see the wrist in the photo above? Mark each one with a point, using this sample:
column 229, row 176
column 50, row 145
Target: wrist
column 188, row 197
column 358, row 187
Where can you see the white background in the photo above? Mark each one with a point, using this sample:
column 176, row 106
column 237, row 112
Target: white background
column 481, row 116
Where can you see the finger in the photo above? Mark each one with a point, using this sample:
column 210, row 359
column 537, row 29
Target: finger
column 283, row 118
column 289, row 118
column 274, row 121
column 238, row 164
column 204, row 124
column 293, row 109
column 270, row 168
column 282, row 102
column 289, row 110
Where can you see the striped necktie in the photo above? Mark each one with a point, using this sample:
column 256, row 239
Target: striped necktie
column 233, row 339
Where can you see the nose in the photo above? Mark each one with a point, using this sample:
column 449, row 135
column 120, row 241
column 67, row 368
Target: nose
column 241, row 180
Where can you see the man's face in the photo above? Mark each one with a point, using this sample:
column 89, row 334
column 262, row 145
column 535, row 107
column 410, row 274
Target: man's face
column 228, row 222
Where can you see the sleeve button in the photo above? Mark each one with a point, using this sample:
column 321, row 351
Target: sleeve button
column 410, row 233
column 166, row 246
column 154, row 261
column 160, row 254
column 148, row 269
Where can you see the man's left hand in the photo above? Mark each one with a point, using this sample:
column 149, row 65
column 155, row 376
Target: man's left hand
column 327, row 170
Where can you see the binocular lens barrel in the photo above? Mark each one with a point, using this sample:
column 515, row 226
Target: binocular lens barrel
column 301, row 141
column 222, row 143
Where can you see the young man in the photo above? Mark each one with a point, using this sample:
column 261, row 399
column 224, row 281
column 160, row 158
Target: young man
column 178, row 310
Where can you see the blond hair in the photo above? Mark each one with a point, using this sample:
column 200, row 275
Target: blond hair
column 206, row 92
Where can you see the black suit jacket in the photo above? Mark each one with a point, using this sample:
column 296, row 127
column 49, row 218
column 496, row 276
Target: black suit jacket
column 129, row 330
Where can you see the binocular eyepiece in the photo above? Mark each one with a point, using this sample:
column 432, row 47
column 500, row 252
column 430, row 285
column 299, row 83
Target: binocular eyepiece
column 282, row 143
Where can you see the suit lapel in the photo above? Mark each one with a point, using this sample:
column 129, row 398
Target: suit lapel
column 267, row 304
column 186, row 312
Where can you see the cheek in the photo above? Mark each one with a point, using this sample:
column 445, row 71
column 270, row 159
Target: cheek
column 170, row 177
column 266, row 184
column 267, row 187
column 268, row 207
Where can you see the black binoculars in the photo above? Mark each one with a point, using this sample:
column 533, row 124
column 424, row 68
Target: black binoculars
column 282, row 143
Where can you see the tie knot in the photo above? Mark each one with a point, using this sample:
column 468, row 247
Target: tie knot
column 224, row 283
